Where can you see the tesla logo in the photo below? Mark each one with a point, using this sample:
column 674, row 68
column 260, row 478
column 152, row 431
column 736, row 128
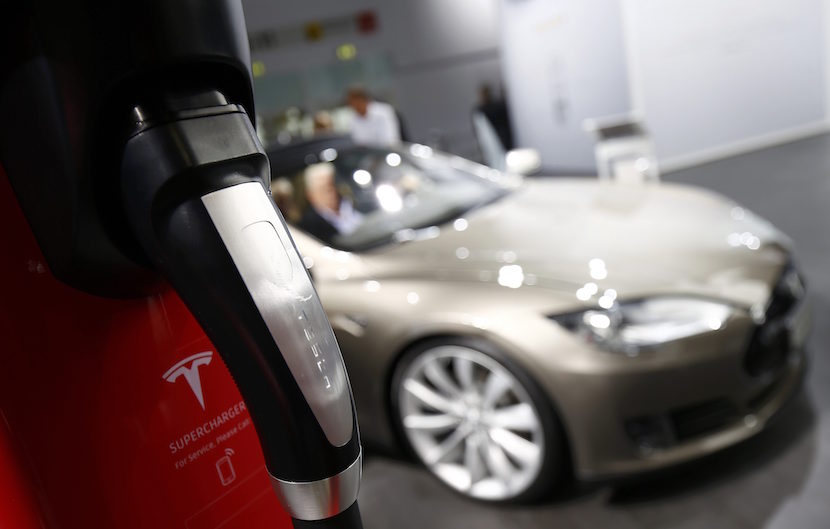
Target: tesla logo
column 189, row 367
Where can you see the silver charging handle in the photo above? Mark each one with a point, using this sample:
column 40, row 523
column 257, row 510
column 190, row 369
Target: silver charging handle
column 273, row 272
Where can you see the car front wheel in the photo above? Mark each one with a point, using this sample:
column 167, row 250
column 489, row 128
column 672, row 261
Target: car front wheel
column 476, row 421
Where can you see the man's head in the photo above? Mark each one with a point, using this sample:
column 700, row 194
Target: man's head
column 485, row 94
column 323, row 121
column 358, row 99
column 319, row 187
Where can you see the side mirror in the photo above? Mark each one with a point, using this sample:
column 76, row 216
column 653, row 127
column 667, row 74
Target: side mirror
column 522, row 161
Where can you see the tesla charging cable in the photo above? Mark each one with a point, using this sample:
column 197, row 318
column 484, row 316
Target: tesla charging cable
column 193, row 184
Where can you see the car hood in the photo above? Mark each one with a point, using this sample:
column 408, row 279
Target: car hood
column 562, row 235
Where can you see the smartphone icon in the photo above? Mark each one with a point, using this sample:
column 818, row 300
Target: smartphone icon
column 224, row 468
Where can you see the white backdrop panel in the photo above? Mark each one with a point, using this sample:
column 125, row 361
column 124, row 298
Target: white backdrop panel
column 715, row 75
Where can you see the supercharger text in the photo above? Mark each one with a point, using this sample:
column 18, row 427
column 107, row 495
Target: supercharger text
column 207, row 427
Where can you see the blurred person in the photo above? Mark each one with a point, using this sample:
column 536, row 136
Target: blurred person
column 328, row 214
column 374, row 122
column 323, row 122
column 495, row 110
column 282, row 191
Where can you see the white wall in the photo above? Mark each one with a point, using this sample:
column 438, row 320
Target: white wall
column 440, row 52
column 718, row 77
column 712, row 78
column 563, row 62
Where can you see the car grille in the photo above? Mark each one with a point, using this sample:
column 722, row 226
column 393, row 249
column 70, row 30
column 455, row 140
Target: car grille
column 703, row 418
column 651, row 432
column 770, row 342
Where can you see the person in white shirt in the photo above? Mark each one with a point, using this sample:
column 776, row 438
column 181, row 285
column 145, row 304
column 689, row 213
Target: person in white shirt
column 329, row 214
column 373, row 123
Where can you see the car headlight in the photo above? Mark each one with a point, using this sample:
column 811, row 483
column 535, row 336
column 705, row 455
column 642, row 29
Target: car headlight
column 632, row 327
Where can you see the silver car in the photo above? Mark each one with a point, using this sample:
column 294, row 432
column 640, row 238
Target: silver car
column 509, row 332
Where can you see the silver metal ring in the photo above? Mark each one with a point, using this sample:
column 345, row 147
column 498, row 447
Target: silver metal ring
column 321, row 499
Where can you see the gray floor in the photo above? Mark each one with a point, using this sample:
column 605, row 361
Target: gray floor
column 779, row 479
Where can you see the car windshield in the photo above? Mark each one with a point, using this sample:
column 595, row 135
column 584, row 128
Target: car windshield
column 365, row 197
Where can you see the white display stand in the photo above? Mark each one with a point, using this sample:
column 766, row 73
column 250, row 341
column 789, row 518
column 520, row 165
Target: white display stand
column 624, row 151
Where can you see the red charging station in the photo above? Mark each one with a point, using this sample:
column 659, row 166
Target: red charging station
column 165, row 359
column 116, row 413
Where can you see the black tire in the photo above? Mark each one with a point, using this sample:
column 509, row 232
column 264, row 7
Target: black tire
column 554, row 469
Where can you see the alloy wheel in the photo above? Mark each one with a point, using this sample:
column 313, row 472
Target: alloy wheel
column 471, row 422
